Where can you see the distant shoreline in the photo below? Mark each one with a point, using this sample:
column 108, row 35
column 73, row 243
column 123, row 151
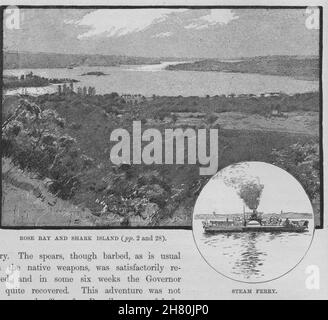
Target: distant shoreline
column 302, row 78
column 297, row 67
column 30, row 60
column 306, row 68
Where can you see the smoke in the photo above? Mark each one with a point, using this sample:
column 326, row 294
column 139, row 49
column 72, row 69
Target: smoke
column 246, row 183
column 250, row 192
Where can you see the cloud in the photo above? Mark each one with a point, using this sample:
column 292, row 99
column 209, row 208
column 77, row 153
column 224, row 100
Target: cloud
column 163, row 35
column 120, row 22
column 214, row 17
column 196, row 26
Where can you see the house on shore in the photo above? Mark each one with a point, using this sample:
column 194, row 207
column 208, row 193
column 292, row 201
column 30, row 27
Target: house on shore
column 133, row 98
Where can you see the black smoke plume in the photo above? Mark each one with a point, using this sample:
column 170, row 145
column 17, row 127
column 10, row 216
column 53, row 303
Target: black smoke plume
column 250, row 192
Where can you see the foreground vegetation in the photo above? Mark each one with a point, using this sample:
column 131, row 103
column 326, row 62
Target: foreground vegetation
column 64, row 139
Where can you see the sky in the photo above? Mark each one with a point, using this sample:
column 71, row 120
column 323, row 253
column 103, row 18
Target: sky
column 190, row 33
column 281, row 191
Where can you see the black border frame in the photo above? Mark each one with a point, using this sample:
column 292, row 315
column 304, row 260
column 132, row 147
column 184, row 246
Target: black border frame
column 3, row 7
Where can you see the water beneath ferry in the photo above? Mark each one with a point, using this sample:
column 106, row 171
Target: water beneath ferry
column 252, row 256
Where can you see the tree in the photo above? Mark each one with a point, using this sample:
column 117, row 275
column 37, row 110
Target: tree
column 303, row 162
column 33, row 138
column 174, row 118
column 210, row 119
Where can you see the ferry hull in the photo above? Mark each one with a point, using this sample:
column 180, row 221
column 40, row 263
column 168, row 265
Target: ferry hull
column 216, row 229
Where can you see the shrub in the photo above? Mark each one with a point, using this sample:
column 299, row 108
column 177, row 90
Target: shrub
column 76, row 126
column 303, row 162
column 34, row 140
column 211, row 118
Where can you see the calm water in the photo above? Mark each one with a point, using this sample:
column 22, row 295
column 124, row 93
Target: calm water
column 253, row 256
column 153, row 79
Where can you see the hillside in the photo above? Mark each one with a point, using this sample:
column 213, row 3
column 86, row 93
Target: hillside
column 306, row 68
column 66, row 138
column 28, row 60
column 26, row 201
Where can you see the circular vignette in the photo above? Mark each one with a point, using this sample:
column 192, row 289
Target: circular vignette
column 260, row 174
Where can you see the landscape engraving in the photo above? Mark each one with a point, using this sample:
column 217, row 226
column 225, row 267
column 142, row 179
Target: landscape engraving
column 120, row 117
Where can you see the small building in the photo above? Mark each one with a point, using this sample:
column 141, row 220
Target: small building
column 132, row 98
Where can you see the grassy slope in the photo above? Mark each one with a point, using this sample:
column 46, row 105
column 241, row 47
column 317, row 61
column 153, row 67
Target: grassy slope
column 26, row 202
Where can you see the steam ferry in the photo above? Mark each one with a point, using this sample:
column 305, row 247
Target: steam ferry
column 254, row 223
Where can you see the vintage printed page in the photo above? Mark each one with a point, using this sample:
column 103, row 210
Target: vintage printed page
column 164, row 150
